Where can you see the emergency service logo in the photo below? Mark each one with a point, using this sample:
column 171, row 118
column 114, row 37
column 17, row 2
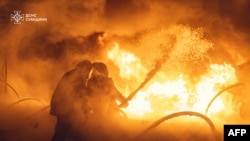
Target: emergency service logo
column 18, row 18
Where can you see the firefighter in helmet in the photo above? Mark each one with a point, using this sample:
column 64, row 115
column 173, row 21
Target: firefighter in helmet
column 102, row 86
column 102, row 100
column 70, row 88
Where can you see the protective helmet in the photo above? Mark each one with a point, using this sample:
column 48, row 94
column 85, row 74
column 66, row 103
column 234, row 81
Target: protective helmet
column 85, row 67
column 100, row 69
column 84, row 64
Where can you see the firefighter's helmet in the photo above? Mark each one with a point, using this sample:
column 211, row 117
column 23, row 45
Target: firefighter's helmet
column 84, row 67
column 100, row 69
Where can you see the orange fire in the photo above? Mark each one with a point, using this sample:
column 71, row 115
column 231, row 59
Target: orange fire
column 163, row 96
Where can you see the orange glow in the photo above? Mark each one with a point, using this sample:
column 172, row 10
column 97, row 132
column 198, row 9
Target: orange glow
column 129, row 64
column 162, row 96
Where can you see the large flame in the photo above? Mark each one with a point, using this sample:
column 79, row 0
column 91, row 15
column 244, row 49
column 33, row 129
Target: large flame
column 162, row 96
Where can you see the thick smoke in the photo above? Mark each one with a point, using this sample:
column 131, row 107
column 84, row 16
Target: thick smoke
column 34, row 55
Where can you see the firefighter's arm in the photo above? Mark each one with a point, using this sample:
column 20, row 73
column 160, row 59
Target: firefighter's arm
column 118, row 95
column 121, row 99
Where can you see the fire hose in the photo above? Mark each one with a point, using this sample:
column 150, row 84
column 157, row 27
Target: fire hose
column 190, row 113
column 8, row 85
column 25, row 99
column 177, row 114
column 5, row 71
column 41, row 110
column 219, row 93
column 150, row 74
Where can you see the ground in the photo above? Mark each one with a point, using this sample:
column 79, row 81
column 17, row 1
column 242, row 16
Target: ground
column 29, row 121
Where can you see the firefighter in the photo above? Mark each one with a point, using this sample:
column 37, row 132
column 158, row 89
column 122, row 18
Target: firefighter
column 102, row 86
column 70, row 88
column 102, row 100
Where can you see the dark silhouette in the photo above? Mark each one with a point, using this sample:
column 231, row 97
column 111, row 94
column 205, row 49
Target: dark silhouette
column 85, row 104
column 105, row 112
column 69, row 90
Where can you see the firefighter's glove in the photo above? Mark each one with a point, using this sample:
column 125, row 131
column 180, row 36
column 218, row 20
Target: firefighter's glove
column 124, row 104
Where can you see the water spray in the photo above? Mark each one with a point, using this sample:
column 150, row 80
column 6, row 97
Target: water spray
column 151, row 73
